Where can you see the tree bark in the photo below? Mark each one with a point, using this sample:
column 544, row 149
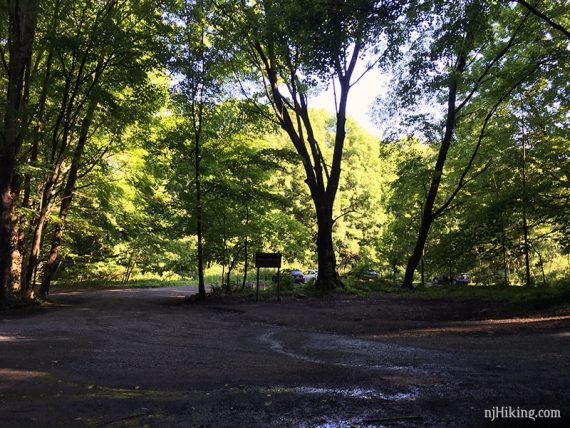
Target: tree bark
column 327, row 278
column 63, row 129
column 51, row 264
column 22, row 25
column 323, row 185
column 528, row 281
column 34, row 252
column 427, row 212
column 15, row 280
column 199, row 215
column 429, row 215
column 19, row 270
column 545, row 18
column 245, row 248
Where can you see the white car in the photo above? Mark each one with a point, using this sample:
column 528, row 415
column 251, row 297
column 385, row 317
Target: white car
column 311, row 274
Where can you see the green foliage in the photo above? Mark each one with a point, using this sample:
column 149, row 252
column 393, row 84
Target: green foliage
column 161, row 73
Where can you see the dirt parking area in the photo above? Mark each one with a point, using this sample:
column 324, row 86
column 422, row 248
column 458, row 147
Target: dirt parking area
column 143, row 357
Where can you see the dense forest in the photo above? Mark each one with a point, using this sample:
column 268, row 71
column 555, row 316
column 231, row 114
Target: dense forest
column 176, row 138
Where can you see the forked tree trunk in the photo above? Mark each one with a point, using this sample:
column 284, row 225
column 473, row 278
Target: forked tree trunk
column 323, row 182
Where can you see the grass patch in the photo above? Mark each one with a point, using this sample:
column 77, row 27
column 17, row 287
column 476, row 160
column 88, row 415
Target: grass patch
column 102, row 285
column 515, row 296
column 364, row 287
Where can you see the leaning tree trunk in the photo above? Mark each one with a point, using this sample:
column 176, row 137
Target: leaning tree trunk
column 50, row 267
column 428, row 208
column 65, row 122
column 416, row 255
column 428, row 214
column 34, row 252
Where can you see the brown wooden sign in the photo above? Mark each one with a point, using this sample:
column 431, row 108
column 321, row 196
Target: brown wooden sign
column 268, row 260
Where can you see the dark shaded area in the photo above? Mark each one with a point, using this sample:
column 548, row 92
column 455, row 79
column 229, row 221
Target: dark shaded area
column 135, row 357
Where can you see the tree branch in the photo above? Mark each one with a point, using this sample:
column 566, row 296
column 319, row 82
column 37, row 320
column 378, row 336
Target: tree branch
column 463, row 181
column 490, row 65
column 542, row 16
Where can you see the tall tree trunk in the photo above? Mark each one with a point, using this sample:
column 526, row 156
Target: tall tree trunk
column 44, row 209
column 504, row 249
column 226, row 257
column 327, row 278
column 503, row 239
column 199, row 215
column 541, row 263
column 130, row 267
column 246, row 255
column 422, row 270
column 65, row 124
column 528, row 281
column 51, row 264
column 34, row 251
column 323, row 184
column 18, row 271
column 232, row 265
column 427, row 217
column 22, row 25
column 15, row 280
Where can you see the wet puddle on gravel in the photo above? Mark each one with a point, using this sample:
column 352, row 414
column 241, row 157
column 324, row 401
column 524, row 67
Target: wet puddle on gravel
column 336, row 350
column 359, row 393
column 340, row 424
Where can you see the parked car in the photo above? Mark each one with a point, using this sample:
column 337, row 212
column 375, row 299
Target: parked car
column 311, row 274
column 460, row 279
column 297, row 275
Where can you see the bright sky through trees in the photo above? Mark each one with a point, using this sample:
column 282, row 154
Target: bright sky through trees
column 362, row 96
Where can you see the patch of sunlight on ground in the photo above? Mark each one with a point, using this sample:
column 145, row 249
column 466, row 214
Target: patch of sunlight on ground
column 16, row 339
column 14, row 374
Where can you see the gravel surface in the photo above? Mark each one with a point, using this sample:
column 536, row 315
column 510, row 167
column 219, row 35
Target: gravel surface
column 144, row 357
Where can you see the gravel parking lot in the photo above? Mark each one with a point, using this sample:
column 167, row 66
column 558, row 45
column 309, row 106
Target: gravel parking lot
column 143, row 357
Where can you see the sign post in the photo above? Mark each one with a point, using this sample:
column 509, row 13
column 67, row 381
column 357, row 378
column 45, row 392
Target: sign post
column 268, row 260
